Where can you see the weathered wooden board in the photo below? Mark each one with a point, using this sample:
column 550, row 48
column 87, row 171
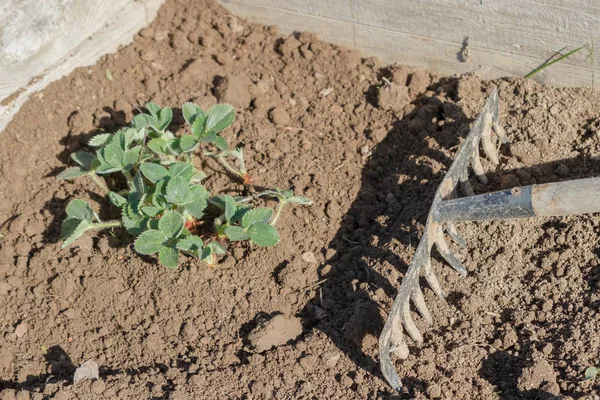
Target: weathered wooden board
column 505, row 37
column 41, row 41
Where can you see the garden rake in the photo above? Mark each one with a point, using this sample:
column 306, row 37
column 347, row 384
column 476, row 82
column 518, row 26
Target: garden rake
column 574, row 197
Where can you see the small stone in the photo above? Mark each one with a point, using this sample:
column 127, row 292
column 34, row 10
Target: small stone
column 98, row 387
column 378, row 135
column 330, row 253
column 326, row 92
column 328, row 270
column 88, row 370
column 21, row 330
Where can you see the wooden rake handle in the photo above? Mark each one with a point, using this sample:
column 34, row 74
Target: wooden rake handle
column 576, row 197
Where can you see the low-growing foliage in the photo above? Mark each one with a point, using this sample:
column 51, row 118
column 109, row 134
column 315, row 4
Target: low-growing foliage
column 590, row 373
column 165, row 203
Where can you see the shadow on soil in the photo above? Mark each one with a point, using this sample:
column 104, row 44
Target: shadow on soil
column 398, row 184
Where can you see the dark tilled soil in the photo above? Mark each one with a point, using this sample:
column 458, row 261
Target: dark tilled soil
column 300, row 320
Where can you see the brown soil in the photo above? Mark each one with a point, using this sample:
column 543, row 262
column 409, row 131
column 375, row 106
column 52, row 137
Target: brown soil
column 523, row 324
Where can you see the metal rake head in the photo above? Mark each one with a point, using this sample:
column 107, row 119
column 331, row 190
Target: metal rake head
column 392, row 338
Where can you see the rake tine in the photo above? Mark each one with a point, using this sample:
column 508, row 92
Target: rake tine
column 465, row 185
column 450, row 258
column 409, row 324
column 419, row 300
column 400, row 349
column 431, row 279
column 458, row 239
column 478, row 168
column 486, row 143
column 499, row 130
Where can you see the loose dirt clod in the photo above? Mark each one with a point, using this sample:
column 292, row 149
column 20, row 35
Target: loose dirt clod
column 539, row 379
column 275, row 332
column 21, row 330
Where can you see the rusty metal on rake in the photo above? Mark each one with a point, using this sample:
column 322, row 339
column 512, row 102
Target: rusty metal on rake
column 580, row 196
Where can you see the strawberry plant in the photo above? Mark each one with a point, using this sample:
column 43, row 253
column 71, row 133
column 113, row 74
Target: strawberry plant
column 165, row 204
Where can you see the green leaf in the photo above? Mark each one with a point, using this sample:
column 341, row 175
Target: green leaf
column 171, row 224
column 165, row 118
column 145, row 121
column 191, row 243
column 221, row 143
column 168, row 256
column 239, row 213
column 151, row 211
column 182, row 169
column 80, row 210
column 208, row 137
column 131, row 157
column 109, row 75
column 198, row 176
column 230, row 207
column 198, row 196
column 133, row 226
column 154, row 109
column 72, row 172
column 117, row 199
column 590, row 373
column 158, row 145
column 178, row 191
column 257, row 215
column 187, row 143
column 114, row 152
column 153, row 172
column 236, row 233
column 220, row 116
column 263, row 234
column 300, row 200
column 192, row 111
column 84, row 159
column 72, row 229
column 134, row 134
column 137, row 188
column 199, row 125
column 150, row 242
column 100, row 140
column 215, row 248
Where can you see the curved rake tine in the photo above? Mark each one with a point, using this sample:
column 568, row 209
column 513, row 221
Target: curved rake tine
column 409, row 324
column 432, row 280
column 465, row 185
column 419, row 301
column 450, row 258
column 459, row 240
column 478, row 168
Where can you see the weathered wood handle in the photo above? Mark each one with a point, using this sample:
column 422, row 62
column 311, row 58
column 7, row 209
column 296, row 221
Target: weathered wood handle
column 580, row 196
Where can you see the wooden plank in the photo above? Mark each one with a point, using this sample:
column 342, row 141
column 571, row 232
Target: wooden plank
column 41, row 42
column 506, row 38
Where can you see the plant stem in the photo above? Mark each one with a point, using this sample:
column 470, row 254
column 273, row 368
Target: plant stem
column 106, row 225
column 229, row 167
column 128, row 177
column 99, row 182
column 282, row 204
